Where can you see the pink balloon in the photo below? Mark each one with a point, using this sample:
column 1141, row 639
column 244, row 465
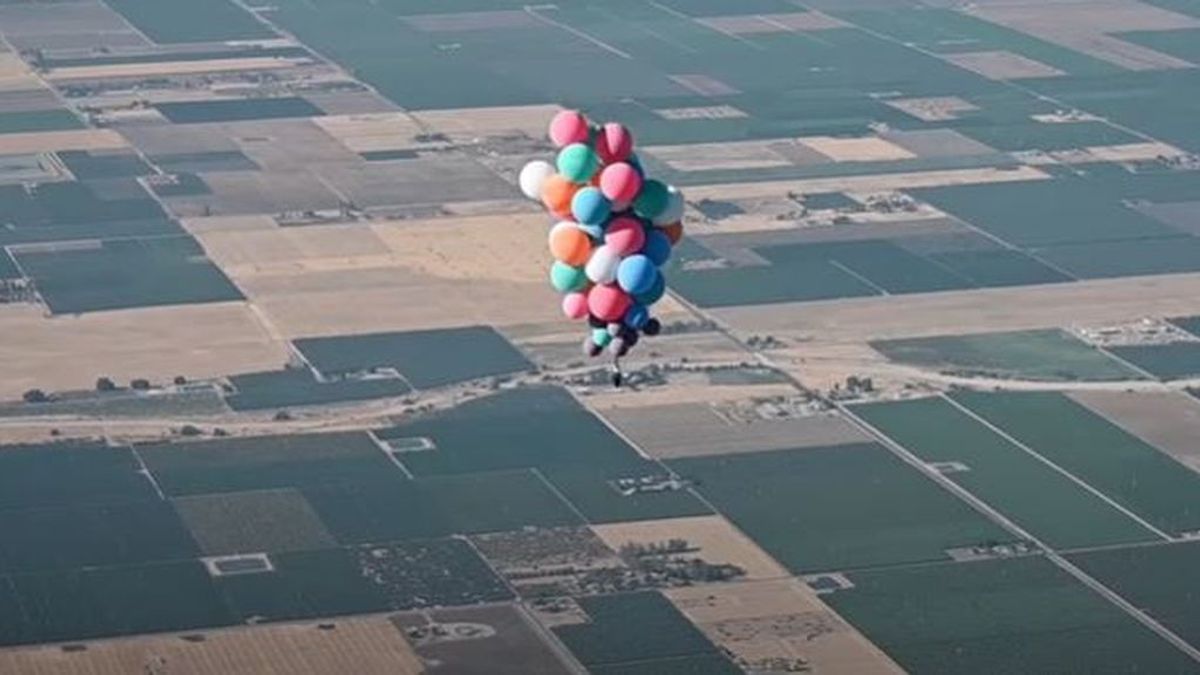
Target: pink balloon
column 567, row 127
column 608, row 302
column 625, row 235
column 620, row 182
column 575, row 305
column 614, row 143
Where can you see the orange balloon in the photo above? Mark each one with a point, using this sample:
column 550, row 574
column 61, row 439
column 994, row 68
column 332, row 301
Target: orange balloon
column 571, row 245
column 557, row 193
column 674, row 232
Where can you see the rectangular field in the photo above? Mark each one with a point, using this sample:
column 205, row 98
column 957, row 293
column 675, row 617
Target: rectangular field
column 265, row 462
column 234, row 110
column 297, row 387
column 1174, row 361
column 1159, row 579
column 839, row 507
column 253, row 522
column 426, row 358
column 514, row 648
column 967, row 617
column 1170, row 421
column 124, row 273
column 1050, row 355
column 1118, row 464
column 69, row 473
column 1033, row 495
column 173, row 21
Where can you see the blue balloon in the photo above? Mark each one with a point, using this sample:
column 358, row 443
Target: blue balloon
column 590, row 206
column 593, row 231
column 637, row 316
column 636, row 274
column 657, row 247
column 654, row 294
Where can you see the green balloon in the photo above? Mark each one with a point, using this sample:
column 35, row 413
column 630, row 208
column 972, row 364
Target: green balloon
column 652, row 199
column 565, row 278
column 601, row 337
column 578, row 163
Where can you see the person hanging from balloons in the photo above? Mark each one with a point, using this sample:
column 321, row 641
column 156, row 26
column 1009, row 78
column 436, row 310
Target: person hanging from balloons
column 614, row 232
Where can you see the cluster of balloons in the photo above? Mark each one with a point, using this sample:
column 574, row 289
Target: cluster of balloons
column 614, row 232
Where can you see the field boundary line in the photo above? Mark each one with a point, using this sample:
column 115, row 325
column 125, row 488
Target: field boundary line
column 559, row 493
column 848, row 270
column 1002, row 520
column 1128, row 364
column 149, row 475
column 1067, row 474
column 532, row 10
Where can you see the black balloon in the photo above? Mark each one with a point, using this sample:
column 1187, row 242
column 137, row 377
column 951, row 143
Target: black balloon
column 595, row 322
column 653, row 327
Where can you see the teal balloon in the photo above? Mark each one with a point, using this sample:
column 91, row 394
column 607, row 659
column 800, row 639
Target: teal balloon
column 565, row 278
column 578, row 163
column 601, row 336
column 652, row 200
column 656, row 292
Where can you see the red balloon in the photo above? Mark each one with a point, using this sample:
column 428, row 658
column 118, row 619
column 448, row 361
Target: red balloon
column 567, row 127
column 620, row 182
column 608, row 302
column 614, row 143
column 625, row 235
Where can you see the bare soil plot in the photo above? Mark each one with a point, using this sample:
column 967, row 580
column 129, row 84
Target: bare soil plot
column 474, row 123
column 373, row 132
column 933, row 108
column 1132, row 152
column 168, row 68
column 196, row 341
column 1001, row 65
column 487, row 640
column 1085, row 27
column 53, row 141
column 67, row 25
column 714, row 156
column 1169, row 421
column 698, row 429
column 705, row 85
column 786, row 22
column 370, row 646
column 767, row 624
column 866, row 149
column 714, row 539
column 1049, row 306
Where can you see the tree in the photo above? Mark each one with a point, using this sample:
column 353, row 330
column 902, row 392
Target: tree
column 105, row 384
column 190, row 430
column 35, row 396
column 140, row 384
column 180, row 380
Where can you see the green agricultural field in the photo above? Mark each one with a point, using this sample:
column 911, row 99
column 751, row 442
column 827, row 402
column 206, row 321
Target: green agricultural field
column 1183, row 43
column 8, row 268
column 192, row 112
column 304, row 584
column 1166, row 362
column 1045, row 212
column 430, row 573
column 291, row 388
column 1004, row 616
column 438, row 506
column 1048, row 355
column 1045, row 503
column 636, row 628
column 124, row 273
column 1190, row 324
column 546, row 429
column 1001, row 267
column 1162, row 580
column 112, row 601
column 882, row 263
column 265, row 462
column 85, row 165
column 92, row 535
column 1106, row 259
column 58, row 474
column 427, row 358
column 38, row 120
column 839, row 507
column 173, row 21
column 729, row 287
column 1122, row 466
column 251, row 522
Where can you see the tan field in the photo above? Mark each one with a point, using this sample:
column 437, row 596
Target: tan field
column 364, row 646
column 933, row 109
column 973, row 311
column 1168, row 420
column 1086, row 28
column 762, row 623
column 158, row 343
column 1001, row 65
column 865, row 184
column 164, row 68
column 1132, row 152
column 700, row 429
column 709, row 156
column 466, row 124
column 372, row 131
column 52, row 141
column 717, row 540
column 866, row 149
column 406, row 275
column 786, row 22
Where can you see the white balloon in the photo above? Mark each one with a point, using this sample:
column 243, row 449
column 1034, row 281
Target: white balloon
column 602, row 266
column 532, row 176
column 673, row 213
